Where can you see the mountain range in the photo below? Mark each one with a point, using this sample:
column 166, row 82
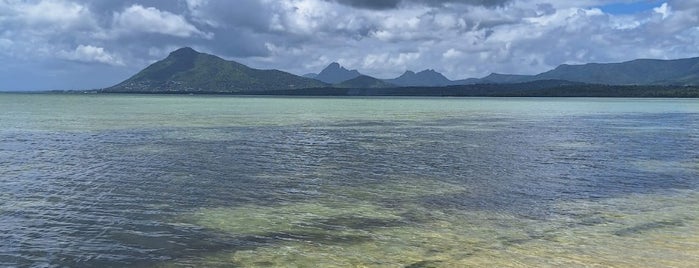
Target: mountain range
column 635, row 72
column 186, row 70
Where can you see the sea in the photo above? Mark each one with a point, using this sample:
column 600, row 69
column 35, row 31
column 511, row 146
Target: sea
column 100, row 180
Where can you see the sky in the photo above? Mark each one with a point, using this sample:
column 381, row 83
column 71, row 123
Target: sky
column 87, row 44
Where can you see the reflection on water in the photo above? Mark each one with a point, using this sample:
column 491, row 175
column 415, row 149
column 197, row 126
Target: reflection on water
column 191, row 181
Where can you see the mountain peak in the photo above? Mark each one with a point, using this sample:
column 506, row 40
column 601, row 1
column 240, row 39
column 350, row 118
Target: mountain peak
column 428, row 77
column 334, row 65
column 429, row 71
column 184, row 52
column 491, row 75
column 335, row 73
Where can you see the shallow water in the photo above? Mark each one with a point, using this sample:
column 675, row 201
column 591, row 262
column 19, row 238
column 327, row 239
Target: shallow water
column 120, row 180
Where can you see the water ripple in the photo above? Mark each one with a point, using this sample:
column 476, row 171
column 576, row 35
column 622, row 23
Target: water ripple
column 151, row 195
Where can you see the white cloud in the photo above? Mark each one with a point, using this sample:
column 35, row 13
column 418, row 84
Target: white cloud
column 91, row 54
column 452, row 54
column 139, row 19
column 399, row 61
column 663, row 10
column 55, row 12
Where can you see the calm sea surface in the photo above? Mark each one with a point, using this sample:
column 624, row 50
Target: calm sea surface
column 191, row 181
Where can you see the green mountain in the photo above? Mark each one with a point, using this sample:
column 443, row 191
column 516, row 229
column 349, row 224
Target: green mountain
column 186, row 70
column 364, row 81
column 496, row 78
column 690, row 79
column 426, row 78
column 335, row 74
column 635, row 72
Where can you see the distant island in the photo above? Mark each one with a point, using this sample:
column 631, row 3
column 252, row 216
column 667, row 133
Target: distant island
column 186, row 71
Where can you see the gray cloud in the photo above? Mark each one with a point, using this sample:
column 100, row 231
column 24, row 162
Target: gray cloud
column 371, row 4
column 392, row 4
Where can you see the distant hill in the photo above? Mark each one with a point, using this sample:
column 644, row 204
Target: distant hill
column 186, row 70
column 467, row 81
column 364, row 81
column 689, row 79
column 496, row 78
column 635, row 72
column 335, row 73
column 426, row 78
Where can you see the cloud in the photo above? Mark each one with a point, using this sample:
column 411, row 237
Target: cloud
column 254, row 14
column 393, row 4
column 50, row 13
column 375, row 4
column 91, row 54
column 139, row 19
column 5, row 43
column 452, row 54
column 663, row 10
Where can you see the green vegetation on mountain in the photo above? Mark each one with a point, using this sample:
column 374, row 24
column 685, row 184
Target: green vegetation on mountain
column 636, row 72
column 426, row 78
column 540, row 88
column 335, row 74
column 496, row 78
column 186, row 70
column 364, row 81
column 589, row 90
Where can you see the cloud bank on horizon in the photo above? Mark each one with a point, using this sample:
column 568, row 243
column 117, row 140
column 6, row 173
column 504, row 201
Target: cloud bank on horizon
column 81, row 44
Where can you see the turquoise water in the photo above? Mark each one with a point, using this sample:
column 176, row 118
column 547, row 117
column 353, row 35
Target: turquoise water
column 122, row 180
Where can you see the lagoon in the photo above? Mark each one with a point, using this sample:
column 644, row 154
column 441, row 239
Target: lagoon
column 101, row 180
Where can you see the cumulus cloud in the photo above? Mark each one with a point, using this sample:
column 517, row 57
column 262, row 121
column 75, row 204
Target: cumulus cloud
column 91, row 54
column 49, row 12
column 392, row 4
column 663, row 10
column 139, row 19
column 452, row 54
